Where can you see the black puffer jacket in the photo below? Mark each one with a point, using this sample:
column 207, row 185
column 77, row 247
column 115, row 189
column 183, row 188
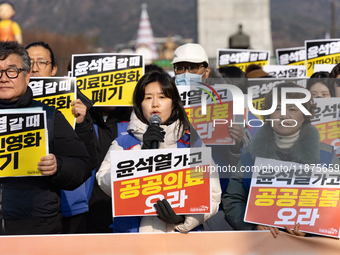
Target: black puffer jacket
column 27, row 200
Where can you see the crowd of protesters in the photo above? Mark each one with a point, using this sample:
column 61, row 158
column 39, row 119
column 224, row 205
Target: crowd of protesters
column 74, row 193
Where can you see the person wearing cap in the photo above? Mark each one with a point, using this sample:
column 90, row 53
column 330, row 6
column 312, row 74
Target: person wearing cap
column 191, row 67
column 191, row 64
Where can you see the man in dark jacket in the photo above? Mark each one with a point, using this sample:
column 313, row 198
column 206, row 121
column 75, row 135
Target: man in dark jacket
column 74, row 204
column 31, row 205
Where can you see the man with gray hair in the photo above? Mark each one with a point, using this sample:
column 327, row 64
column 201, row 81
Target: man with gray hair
column 31, row 205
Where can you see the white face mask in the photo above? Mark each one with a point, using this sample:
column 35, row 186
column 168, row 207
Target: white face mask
column 188, row 79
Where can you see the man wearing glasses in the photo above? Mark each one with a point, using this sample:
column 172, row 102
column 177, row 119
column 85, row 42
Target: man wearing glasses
column 191, row 64
column 31, row 205
column 42, row 60
column 74, row 204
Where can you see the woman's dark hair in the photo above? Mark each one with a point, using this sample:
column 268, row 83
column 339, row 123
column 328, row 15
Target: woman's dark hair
column 268, row 100
column 235, row 76
column 153, row 67
column 334, row 81
column 322, row 77
column 335, row 71
column 170, row 90
column 252, row 67
column 46, row 46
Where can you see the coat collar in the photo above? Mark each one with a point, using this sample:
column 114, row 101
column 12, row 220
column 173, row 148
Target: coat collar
column 138, row 128
column 305, row 150
column 25, row 101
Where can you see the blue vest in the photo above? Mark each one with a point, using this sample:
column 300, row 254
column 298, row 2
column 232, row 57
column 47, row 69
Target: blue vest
column 76, row 201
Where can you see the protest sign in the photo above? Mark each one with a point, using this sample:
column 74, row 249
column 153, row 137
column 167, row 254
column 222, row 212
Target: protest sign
column 140, row 178
column 291, row 56
column 242, row 57
column 325, row 51
column 288, row 71
column 327, row 120
column 218, row 105
column 57, row 92
column 292, row 193
column 108, row 79
column 323, row 68
column 24, row 141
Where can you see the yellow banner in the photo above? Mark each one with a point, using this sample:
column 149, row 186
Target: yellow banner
column 114, row 88
column 329, row 59
column 62, row 103
column 21, row 152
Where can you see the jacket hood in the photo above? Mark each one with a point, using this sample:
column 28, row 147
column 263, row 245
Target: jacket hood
column 305, row 150
column 138, row 128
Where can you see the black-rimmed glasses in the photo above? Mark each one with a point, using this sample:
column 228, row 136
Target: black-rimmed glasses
column 191, row 68
column 11, row 72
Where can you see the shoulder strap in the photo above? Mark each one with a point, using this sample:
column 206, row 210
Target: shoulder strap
column 127, row 141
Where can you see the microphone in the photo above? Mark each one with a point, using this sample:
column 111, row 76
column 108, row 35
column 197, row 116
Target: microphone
column 155, row 120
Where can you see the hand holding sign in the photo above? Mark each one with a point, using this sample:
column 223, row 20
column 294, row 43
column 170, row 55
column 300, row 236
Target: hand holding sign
column 166, row 213
column 48, row 165
column 295, row 231
column 273, row 230
column 79, row 110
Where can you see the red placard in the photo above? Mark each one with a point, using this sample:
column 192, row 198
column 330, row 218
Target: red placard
column 330, row 134
column 327, row 120
column 286, row 193
column 316, row 209
column 188, row 192
column 213, row 126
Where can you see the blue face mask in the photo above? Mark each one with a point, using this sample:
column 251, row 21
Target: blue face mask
column 188, row 79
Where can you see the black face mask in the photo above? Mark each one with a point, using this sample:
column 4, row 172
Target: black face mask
column 319, row 97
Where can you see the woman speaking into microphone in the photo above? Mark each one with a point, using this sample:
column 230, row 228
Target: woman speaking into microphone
column 157, row 94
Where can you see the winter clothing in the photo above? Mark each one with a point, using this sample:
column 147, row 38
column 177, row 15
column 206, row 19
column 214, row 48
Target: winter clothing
column 31, row 205
column 74, row 204
column 306, row 150
column 99, row 217
column 134, row 141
